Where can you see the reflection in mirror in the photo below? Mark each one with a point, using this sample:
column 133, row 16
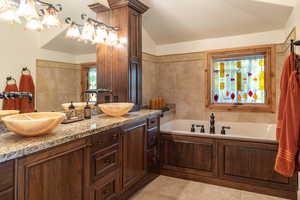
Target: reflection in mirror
column 57, row 64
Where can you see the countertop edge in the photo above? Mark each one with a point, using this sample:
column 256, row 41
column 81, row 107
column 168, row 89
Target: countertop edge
column 21, row 152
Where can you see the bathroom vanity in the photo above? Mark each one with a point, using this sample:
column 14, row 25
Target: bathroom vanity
column 97, row 159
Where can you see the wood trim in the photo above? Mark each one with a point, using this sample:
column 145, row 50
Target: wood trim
column 98, row 7
column 84, row 67
column 270, row 52
column 134, row 4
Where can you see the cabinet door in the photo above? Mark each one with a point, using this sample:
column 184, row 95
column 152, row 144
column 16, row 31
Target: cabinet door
column 108, row 188
column 190, row 155
column 54, row 174
column 253, row 163
column 134, row 150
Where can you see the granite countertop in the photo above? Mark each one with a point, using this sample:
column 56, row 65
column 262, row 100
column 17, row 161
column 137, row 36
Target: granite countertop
column 13, row 146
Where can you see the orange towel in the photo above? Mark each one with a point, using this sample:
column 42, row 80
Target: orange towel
column 11, row 104
column 27, row 85
column 286, row 161
column 288, row 68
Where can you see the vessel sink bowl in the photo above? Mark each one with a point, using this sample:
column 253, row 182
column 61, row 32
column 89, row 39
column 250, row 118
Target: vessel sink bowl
column 116, row 109
column 33, row 124
column 78, row 105
column 5, row 113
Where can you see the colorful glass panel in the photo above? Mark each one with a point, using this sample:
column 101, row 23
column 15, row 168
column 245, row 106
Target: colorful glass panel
column 239, row 80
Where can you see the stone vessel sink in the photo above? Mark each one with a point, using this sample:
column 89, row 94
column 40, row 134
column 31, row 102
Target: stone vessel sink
column 78, row 105
column 116, row 109
column 33, row 124
column 5, row 113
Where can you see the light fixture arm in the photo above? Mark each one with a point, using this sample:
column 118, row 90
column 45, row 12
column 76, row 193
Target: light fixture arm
column 57, row 7
column 97, row 23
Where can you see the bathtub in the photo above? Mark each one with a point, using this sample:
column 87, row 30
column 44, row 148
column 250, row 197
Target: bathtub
column 239, row 130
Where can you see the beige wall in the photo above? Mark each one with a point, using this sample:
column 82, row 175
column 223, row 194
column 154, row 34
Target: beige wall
column 56, row 83
column 180, row 79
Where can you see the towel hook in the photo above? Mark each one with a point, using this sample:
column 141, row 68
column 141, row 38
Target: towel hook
column 25, row 69
column 9, row 78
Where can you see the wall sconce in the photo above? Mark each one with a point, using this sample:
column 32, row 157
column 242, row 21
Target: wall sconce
column 92, row 31
column 27, row 9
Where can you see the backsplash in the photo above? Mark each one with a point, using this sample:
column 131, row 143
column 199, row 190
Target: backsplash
column 180, row 79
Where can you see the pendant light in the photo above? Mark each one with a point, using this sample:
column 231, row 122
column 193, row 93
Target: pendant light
column 27, row 9
column 88, row 32
column 50, row 17
column 73, row 32
column 34, row 24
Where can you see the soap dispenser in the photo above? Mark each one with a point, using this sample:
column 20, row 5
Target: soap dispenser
column 71, row 111
column 87, row 111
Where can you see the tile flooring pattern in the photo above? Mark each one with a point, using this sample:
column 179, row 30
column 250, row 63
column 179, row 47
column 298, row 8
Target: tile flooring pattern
column 167, row 188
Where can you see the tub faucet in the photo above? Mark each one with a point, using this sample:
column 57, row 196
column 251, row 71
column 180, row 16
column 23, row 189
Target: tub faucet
column 14, row 95
column 98, row 91
column 212, row 129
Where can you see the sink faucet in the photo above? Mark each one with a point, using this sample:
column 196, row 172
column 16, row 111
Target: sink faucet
column 212, row 129
column 98, row 91
column 13, row 95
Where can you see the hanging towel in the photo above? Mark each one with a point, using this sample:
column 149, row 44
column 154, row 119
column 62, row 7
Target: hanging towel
column 27, row 85
column 11, row 104
column 287, row 160
column 288, row 68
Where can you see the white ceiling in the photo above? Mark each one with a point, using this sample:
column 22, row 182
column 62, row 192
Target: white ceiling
column 172, row 21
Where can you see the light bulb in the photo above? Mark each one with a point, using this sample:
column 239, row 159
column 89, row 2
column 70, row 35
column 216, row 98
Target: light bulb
column 4, row 6
column 27, row 9
column 101, row 35
column 112, row 38
column 50, row 19
column 34, row 24
column 73, row 32
column 10, row 16
column 88, row 32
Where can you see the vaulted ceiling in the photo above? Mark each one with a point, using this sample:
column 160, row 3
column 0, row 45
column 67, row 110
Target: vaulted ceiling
column 171, row 21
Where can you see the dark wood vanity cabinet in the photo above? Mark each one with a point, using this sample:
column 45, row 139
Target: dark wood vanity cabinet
column 134, row 153
column 105, row 165
column 7, row 180
column 53, row 174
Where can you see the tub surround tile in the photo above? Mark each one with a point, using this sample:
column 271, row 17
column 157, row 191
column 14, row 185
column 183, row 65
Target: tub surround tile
column 13, row 146
column 181, row 80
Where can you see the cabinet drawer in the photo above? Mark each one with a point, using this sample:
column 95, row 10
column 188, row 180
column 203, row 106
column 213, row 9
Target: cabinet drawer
column 108, row 188
column 105, row 139
column 104, row 162
column 6, row 175
column 153, row 161
column 152, row 122
column 152, row 138
column 7, row 194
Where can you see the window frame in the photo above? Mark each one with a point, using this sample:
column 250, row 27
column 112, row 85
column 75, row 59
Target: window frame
column 84, row 77
column 270, row 87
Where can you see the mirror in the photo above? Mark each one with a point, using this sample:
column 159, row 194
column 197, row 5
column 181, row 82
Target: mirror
column 61, row 68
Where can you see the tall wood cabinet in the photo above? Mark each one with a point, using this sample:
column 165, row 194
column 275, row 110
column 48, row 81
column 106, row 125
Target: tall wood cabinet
column 120, row 69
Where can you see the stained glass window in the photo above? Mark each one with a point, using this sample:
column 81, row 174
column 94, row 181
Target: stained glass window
column 92, row 83
column 239, row 80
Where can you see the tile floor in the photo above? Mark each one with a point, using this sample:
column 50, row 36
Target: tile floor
column 167, row 188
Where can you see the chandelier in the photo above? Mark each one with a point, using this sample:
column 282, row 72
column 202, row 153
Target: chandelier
column 45, row 17
column 94, row 32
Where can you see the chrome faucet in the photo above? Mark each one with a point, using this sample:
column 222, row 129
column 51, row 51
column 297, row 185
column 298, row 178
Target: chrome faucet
column 14, row 95
column 98, row 91
column 212, row 128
